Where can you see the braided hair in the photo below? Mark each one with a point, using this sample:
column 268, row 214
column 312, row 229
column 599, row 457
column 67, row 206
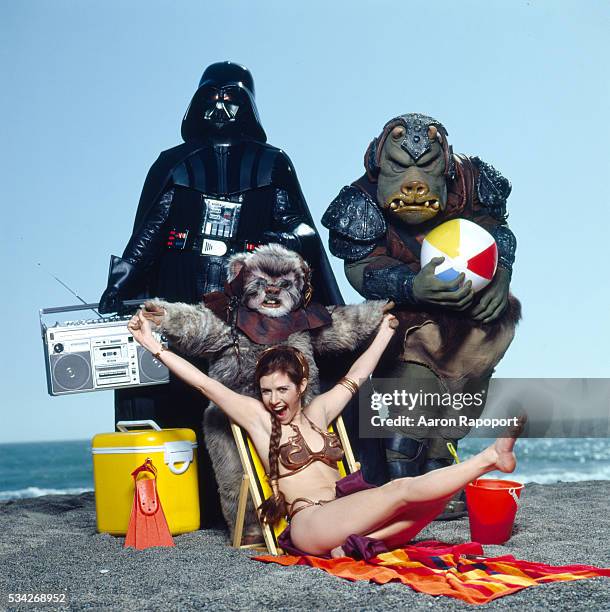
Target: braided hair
column 291, row 362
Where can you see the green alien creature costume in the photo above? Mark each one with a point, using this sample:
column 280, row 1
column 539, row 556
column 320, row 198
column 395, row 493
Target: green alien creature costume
column 450, row 338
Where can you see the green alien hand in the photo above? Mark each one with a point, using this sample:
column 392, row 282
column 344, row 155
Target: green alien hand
column 494, row 298
column 427, row 289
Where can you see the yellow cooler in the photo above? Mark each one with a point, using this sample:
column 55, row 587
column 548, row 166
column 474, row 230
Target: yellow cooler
column 174, row 455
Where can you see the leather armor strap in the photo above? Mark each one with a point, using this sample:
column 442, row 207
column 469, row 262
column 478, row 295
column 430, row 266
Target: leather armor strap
column 394, row 283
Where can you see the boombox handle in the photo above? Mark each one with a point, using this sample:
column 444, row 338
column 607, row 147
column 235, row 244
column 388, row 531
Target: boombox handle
column 93, row 306
column 44, row 311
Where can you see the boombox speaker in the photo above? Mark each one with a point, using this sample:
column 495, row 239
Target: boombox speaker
column 96, row 354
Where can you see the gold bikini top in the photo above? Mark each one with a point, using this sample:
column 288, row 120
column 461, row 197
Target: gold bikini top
column 295, row 455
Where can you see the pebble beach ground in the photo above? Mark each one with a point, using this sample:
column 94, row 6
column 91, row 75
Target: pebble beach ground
column 50, row 545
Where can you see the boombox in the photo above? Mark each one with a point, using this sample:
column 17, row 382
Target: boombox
column 96, row 354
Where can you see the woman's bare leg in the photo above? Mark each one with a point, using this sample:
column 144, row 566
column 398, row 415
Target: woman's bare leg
column 404, row 527
column 398, row 510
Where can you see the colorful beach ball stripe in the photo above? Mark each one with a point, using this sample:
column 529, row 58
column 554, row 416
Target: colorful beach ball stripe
column 466, row 247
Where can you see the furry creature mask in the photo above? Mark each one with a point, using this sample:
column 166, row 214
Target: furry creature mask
column 274, row 281
column 267, row 295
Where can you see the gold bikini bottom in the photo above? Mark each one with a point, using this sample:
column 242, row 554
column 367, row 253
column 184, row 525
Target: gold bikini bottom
column 308, row 504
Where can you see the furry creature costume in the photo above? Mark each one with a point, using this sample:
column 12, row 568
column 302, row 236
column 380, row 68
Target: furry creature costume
column 265, row 303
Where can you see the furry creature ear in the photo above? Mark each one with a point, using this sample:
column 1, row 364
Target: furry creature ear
column 235, row 265
column 307, row 289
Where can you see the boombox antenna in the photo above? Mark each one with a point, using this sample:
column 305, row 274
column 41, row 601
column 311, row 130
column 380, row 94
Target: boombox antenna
column 78, row 297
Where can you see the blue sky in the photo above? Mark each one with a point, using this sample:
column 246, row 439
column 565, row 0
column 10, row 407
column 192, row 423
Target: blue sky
column 93, row 91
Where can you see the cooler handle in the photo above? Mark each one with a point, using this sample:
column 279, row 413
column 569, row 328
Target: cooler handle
column 125, row 425
column 178, row 452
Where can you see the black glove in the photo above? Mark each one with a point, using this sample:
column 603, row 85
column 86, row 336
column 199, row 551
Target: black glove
column 124, row 280
column 284, row 238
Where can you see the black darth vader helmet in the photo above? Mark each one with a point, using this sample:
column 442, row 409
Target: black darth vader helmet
column 224, row 102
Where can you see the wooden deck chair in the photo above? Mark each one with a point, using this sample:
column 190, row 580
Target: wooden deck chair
column 255, row 482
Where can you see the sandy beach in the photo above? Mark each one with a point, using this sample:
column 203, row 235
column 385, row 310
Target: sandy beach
column 50, row 545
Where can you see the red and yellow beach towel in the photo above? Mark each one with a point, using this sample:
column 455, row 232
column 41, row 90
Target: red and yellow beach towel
column 458, row 571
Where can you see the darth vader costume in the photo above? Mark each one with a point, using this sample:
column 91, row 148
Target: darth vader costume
column 223, row 191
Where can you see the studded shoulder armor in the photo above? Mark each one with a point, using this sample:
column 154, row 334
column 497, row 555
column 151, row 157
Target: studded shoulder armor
column 355, row 223
column 507, row 245
column 493, row 189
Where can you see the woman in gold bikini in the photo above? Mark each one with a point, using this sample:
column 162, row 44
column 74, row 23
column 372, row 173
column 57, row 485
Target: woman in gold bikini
column 305, row 481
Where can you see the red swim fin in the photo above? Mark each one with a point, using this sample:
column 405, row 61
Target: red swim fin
column 147, row 524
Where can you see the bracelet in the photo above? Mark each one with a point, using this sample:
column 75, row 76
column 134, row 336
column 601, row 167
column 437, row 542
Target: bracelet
column 349, row 384
column 157, row 355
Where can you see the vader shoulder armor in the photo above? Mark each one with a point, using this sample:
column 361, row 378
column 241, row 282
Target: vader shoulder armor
column 493, row 189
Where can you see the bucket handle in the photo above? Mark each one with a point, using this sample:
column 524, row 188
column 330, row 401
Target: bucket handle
column 125, row 425
column 512, row 493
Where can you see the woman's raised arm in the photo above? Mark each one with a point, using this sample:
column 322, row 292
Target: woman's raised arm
column 245, row 411
column 335, row 400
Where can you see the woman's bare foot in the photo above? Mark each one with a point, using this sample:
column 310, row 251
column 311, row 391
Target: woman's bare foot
column 501, row 454
column 506, row 460
column 335, row 553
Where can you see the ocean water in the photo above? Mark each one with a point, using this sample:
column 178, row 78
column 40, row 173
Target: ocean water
column 548, row 460
column 46, row 468
column 32, row 469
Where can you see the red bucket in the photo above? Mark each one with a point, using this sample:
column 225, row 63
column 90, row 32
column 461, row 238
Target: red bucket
column 492, row 506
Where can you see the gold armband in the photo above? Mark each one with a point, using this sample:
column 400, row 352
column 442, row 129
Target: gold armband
column 158, row 353
column 349, row 384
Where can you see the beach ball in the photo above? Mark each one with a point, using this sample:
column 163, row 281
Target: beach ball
column 466, row 247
